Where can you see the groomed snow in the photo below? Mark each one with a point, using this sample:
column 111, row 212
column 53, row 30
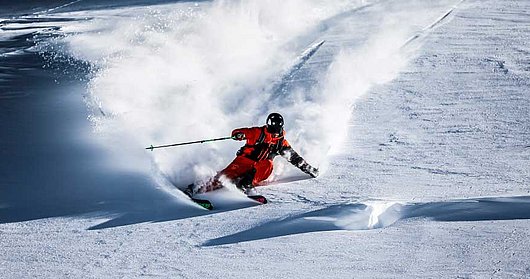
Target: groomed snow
column 426, row 170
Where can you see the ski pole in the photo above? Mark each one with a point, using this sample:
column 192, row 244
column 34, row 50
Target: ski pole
column 186, row 143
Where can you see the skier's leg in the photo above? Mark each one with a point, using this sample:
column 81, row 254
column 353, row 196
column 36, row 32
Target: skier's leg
column 245, row 181
column 263, row 171
column 236, row 169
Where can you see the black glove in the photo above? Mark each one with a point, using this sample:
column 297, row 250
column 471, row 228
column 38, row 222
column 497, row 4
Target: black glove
column 309, row 170
column 238, row 136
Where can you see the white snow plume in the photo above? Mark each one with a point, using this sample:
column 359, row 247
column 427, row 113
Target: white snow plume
column 352, row 74
column 186, row 72
column 318, row 120
column 321, row 117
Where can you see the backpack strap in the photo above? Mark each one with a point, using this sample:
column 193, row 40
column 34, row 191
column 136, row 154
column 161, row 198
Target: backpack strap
column 261, row 138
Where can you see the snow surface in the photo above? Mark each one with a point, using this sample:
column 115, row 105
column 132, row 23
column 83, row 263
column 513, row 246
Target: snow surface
column 416, row 111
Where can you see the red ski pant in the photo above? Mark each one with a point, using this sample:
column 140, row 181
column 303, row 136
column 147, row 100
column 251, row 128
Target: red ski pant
column 242, row 165
column 237, row 169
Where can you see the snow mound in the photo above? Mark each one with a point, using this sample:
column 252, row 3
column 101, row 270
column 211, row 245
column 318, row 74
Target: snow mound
column 379, row 214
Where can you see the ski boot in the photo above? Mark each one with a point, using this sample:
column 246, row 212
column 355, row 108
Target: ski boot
column 244, row 184
column 190, row 190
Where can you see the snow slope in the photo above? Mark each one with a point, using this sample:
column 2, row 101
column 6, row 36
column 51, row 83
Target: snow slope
column 420, row 107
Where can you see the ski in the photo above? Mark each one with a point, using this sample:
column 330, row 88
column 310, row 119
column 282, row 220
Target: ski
column 259, row 198
column 204, row 203
column 208, row 205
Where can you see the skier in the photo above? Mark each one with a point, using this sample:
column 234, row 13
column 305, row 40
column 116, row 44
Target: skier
column 253, row 162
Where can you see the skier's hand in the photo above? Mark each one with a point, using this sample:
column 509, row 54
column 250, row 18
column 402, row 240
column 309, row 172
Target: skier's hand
column 313, row 172
column 309, row 170
column 238, row 136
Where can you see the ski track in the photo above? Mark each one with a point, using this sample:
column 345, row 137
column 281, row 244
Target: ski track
column 433, row 25
column 56, row 8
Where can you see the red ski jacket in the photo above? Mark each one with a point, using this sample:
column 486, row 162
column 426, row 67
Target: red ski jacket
column 262, row 145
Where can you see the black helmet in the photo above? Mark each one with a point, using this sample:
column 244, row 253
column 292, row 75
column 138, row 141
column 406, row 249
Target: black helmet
column 274, row 123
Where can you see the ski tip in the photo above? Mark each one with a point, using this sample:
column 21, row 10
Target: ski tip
column 203, row 203
column 259, row 198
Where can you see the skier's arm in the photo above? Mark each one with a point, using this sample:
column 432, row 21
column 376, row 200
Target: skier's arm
column 294, row 158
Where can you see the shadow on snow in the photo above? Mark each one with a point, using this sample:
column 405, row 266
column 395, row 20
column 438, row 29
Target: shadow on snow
column 379, row 214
